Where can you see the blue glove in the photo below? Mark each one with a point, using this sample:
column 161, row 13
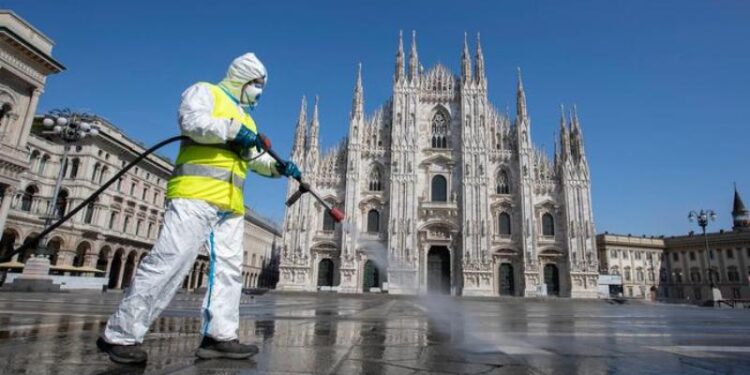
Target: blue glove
column 246, row 138
column 290, row 170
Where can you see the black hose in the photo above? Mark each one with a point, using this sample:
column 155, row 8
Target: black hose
column 92, row 197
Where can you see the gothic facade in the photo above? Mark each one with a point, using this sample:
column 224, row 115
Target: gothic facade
column 443, row 194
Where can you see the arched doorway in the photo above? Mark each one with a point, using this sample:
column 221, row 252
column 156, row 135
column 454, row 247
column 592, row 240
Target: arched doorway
column 53, row 246
column 114, row 269
column 439, row 270
column 371, row 277
column 81, row 251
column 7, row 242
column 130, row 264
column 507, row 287
column 101, row 261
column 325, row 272
column 552, row 279
column 26, row 254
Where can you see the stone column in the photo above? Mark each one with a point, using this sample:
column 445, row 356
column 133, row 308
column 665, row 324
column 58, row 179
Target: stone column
column 123, row 261
column 29, row 117
column 5, row 207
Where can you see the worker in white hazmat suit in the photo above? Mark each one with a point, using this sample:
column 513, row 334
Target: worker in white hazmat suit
column 205, row 206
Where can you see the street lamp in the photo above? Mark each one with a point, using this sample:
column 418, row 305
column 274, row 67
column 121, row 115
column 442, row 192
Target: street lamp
column 703, row 217
column 68, row 128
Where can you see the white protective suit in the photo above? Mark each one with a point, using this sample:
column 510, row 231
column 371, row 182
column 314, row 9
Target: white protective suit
column 190, row 223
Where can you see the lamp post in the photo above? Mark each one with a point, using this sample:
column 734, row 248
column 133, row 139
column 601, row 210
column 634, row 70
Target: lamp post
column 703, row 217
column 67, row 128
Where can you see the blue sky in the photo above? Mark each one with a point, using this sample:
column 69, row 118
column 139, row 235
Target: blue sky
column 662, row 88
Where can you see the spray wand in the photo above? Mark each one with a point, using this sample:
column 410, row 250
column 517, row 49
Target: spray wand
column 337, row 215
column 304, row 187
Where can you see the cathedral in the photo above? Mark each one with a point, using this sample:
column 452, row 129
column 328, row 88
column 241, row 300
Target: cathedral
column 443, row 194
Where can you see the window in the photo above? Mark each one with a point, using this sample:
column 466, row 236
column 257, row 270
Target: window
column 112, row 219
column 711, row 254
column 150, row 230
column 62, row 203
column 43, row 165
column 373, row 221
column 138, row 225
column 730, row 254
column 614, row 271
column 692, row 255
column 119, row 184
column 695, row 275
column 613, row 254
column 627, row 274
column 736, row 293
column 74, row 168
column 156, row 196
column 638, row 255
column 132, row 189
column 439, row 189
column 649, row 257
column 89, row 216
column 675, row 257
column 328, row 223
column 144, row 194
column 95, row 174
column 28, row 198
column 103, row 176
column 733, row 274
column 503, row 186
column 374, row 180
column 439, row 130
column 651, row 275
column 253, row 261
column 678, row 276
column 639, row 274
column 548, row 225
column 504, row 221
column 125, row 224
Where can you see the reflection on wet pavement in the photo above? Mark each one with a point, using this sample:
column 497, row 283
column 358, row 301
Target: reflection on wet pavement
column 376, row 334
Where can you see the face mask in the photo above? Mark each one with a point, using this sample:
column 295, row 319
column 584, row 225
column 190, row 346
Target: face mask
column 251, row 95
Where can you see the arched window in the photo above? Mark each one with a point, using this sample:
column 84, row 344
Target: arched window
column 62, row 203
column 373, row 221
column 374, row 180
column 96, row 172
column 695, row 275
column 733, row 274
column 28, row 198
column 43, row 165
column 103, row 176
column 439, row 189
column 548, row 225
column 89, row 215
column 33, row 159
column 440, row 130
column 504, row 221
column 503, row 185
column 328, row 223
column 74, row 167
column 614, row 271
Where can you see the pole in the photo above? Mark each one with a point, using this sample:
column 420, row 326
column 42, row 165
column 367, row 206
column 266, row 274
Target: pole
column 41, row 246
column 708, row 257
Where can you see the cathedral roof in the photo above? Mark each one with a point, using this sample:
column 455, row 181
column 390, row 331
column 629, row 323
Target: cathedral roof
column 739, row 206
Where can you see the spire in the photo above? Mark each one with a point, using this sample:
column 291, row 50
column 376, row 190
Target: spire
column 314, row 129
column 413, row 58
column 564, row 136
column 298, row 146
column 520, row 98
column 358, row 101
column 576, row 133
column 465, row 63
column 399, row 74
column 479, row 61
column 740, row 214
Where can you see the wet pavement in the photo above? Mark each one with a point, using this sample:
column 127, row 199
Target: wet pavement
column 377, row 334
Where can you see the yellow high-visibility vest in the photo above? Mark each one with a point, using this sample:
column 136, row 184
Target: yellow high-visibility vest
column 213, row 173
